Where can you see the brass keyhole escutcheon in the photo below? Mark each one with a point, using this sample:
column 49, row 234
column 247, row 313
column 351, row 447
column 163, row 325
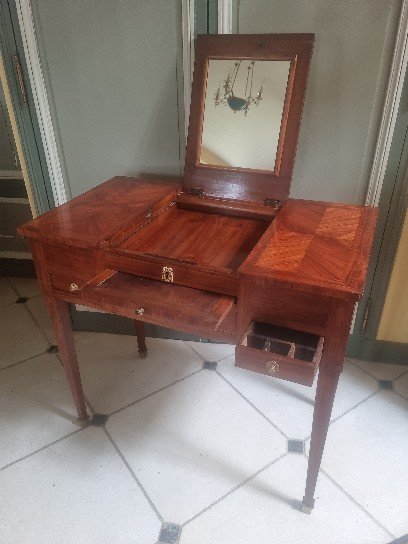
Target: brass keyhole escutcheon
column 272, row 367
column 167, row 274
column 73, row 287
column 140, row 311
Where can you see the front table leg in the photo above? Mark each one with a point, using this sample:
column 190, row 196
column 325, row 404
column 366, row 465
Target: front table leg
column 326, row 390
column 59, row 310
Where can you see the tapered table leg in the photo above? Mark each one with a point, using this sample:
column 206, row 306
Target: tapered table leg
column 59, row 310
column 141, row 339
column 326, row 390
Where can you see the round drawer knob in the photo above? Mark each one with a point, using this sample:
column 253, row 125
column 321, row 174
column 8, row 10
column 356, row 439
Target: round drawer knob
column 272, row 367
column 140, row 311
column 74, row 287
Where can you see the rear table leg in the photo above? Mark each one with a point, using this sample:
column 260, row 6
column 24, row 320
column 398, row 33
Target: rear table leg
column 141, row 339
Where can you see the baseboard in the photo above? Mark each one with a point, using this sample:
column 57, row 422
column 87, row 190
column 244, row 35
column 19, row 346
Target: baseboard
column 379, row 351
column 22, row 268
column 114, row 324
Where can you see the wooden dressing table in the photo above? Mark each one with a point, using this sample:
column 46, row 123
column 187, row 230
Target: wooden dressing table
column 226, row 254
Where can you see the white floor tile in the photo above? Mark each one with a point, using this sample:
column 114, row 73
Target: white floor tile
column 77, row 490
column 263, row 511
column 36, row 407
column 401, row 385
column 212, row 352
column 7, row 293
column 114, row 376
column 192, row 442
column 366, row 453
column 26, row 287
column 20, row 337
column 38, row 309
column 290, row 406
column 381, row 371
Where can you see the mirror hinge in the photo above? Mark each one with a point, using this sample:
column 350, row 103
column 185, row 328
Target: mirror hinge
column 272, row 202
column 195, row 191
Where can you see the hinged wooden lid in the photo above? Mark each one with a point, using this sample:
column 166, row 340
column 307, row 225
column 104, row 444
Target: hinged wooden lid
column 246, row 52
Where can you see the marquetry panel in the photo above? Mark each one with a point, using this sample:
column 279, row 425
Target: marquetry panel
column 93, row 217
column 316, row 245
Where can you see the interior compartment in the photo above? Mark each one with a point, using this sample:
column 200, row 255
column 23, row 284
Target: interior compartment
column 282, row 352
column 197, row 237
column 282, row 341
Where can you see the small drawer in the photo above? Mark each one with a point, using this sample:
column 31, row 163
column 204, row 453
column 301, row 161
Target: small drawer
column 280, row 352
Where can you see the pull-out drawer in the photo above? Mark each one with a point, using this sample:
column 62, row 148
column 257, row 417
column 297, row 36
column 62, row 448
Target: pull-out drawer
column 160, row 303
column 280, row 352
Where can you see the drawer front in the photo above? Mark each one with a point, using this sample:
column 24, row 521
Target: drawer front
column 281, row 352
column 68, row 258
column 70, row 282
column 170, row 272
column 275, row 366
column 160, row 303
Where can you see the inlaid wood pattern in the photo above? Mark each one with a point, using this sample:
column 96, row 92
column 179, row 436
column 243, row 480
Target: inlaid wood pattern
column 90, row 219
column 323, row 247
column 194, row 237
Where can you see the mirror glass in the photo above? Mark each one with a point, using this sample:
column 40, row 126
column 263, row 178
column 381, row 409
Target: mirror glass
column 243, row 112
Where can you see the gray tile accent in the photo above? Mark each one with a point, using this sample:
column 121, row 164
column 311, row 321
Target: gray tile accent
column 99, row 420
column 402, row 540
column 21, row 300
column 52, row 349
column 296, row 446
column 209, row 365
column 386, row 385
column 170, row 533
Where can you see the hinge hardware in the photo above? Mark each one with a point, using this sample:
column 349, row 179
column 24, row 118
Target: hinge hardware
column 365, row 317
column 272, row 202
column 195, row 191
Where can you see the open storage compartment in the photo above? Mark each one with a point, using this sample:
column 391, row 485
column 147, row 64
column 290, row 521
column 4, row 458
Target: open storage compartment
column 280, row 352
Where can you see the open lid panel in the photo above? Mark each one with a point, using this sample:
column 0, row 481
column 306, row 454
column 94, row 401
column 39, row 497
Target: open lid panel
column 246, row 106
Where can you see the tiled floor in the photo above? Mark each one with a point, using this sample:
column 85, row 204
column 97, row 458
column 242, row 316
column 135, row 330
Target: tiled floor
column 187, row 454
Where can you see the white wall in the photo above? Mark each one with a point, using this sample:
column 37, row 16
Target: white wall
column 113, row 72
column 349, row 66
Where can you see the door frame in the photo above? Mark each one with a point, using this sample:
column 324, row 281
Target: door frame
column 21, row 109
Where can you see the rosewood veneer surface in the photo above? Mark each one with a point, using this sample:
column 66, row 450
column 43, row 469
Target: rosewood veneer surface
column 320, row 247
column 91, row 218
column 208, row 239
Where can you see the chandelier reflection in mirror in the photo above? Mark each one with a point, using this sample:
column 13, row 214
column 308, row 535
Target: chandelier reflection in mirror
column 230, row 99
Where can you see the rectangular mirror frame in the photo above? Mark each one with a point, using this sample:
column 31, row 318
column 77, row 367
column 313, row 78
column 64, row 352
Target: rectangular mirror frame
column 242, row 183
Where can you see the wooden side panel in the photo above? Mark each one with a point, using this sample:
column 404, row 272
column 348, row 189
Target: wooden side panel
column 284, row 307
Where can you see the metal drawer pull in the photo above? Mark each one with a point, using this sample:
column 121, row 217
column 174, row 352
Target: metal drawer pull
column 272, row 367
column 73, row 287
column 140, row 311
column 167, row 274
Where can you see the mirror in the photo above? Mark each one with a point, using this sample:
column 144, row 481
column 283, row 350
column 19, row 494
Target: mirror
column 246, row 106
column 243, row 110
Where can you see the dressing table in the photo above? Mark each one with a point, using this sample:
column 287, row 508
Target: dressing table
column 226, row 253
